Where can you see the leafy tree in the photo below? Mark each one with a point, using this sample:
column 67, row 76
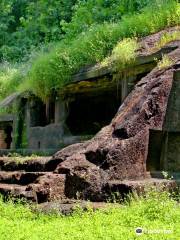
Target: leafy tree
column 25, row 24
column 90, row 12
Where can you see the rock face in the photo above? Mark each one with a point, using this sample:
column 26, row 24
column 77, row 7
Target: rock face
column 119, row 151
column 115, row 159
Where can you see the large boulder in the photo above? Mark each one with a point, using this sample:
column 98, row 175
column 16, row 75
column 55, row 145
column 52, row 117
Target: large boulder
column 119, row 151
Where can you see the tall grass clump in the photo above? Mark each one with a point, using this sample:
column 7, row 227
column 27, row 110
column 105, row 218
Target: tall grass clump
column 123, row 55
column 165, row 62
column 167, row 38
column 55, row 69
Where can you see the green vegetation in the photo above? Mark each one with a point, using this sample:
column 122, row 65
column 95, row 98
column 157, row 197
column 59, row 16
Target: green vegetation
column 28, row 24
column 53, row 70
column 18, row 158
column 156, row 213
column 165, row 39
column 165, row 62
column 10, row 78
column 92, row 12
column 84, row 35
column 123, row 55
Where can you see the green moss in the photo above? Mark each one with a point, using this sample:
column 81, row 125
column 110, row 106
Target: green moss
column 20, row 133
column 24, row 141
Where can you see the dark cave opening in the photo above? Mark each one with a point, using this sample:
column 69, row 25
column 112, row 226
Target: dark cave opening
column 6, row 135
column 88, row 114
column 156, row 139
column 8, row 140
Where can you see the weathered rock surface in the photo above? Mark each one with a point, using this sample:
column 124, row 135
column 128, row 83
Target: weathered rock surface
column 119, row 151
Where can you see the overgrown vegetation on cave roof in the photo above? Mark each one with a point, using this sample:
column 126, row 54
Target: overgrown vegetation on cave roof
column 44, row 50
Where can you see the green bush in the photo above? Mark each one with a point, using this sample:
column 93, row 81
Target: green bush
column 92, row 12
column 123, row 55
column 27, row 23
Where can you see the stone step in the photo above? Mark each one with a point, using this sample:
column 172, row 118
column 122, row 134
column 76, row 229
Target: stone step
column 45, row 187
column 127, row 186
column 164, row 175
column 39, row 164
column 49, row 187
column 16, row 191
column 19, row 177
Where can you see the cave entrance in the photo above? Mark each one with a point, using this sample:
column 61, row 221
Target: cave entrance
column 89, row 113
column 6, row 135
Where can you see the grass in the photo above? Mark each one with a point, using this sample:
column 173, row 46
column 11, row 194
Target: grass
column 156, row 213
column 123, row 54
column 165, row 62
column 10, row 78
column 18, row 158
column 165, row 39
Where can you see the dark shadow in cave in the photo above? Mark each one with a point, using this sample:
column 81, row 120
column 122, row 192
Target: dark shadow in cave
column 8, row 140
column 89, row 113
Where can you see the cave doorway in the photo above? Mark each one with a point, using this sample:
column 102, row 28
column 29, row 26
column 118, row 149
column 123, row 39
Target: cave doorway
column 6, row 135
column 89, row 113
column 164, row 151
column 155, row 150
column 8, row 139
column 41, row 114
column 37, row 113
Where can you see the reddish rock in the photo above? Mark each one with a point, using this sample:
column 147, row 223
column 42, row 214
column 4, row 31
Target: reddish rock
column 115, row 159
column 84, row 180
column 119, row 151
column 48, row 187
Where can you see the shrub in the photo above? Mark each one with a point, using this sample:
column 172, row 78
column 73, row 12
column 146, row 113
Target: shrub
column 167, row 38
column 124, row 54
column 165, row 62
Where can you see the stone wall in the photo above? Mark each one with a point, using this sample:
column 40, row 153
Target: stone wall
column 47, row 137
column 50, row 137
column 172, row 122
column 173, row 152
